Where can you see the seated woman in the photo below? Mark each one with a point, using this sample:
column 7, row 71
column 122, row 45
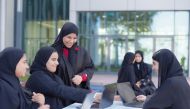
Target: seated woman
column 126, row 72
column 173, row 88
column 44, row 80
column 143, row 74
column 13, row 64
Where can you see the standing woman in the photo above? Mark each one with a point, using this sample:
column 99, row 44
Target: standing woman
column 75, row 65
column 44, row 80
column 173, row 88
column 13, row 64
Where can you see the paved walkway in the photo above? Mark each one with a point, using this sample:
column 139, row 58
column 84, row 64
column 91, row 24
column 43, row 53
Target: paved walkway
column 100, row 79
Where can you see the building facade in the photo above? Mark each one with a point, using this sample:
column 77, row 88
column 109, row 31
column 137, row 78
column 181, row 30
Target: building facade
column 107, row 28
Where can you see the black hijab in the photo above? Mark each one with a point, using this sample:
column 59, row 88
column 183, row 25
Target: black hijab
column 9, row 59
column 41, row 58
column 128, row 59
column 168, row 65
column 142, row 55
column 126, row 73
column 141, row 68
column 67, row 28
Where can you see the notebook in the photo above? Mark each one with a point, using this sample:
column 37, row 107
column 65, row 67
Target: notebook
column 128, row 96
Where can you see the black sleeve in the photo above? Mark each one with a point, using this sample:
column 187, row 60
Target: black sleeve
column 161, row 99
column 127, row 75
column 42, row 83
column 88, row 66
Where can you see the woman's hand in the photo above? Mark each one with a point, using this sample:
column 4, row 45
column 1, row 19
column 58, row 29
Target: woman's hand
column 138, row 84
column 141, row 97
column 97, row 97
column 44, row 107
column 77, row 79
column 38, row 98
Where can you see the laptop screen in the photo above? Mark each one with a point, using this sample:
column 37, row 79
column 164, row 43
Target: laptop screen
column 108, row 95
column 88, row 101
column 126, row 92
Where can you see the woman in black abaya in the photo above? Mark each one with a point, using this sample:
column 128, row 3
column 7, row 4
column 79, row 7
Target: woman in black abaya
column 75, row 64
column 126, row 73
column 44, row 80
column 12, row 66
column 75, row 67
column 173, row 88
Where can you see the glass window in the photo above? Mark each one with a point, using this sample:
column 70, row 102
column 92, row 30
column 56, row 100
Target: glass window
column 147, row 48
column 42, row 21
column 110, row 32
column 163, row 42
column 181, row 51
column 144, row 22
column 181, row 23
column 163, row 23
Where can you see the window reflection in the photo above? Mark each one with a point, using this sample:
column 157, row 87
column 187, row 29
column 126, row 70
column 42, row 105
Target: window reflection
column 181, row 23
column 114, row 33
column 43, row 20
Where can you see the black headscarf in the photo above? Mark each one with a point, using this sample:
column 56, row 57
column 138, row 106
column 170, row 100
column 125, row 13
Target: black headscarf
column 142, row 55
column 41, row 58
column 142, row 70
column 128, row 59
column 9, row 59
column 168, row 65
column 126, row 73
column 67, row 28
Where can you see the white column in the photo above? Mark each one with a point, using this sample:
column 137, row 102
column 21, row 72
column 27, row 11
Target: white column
column 73, row 12
column 2, row 23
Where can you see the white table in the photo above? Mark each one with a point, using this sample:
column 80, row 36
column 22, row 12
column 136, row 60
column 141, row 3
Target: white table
column 115, row 105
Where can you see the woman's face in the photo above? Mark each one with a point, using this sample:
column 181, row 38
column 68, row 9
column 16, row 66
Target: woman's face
column 155, row 66
column 69, row 40
column 22, row 67
column 138, row 57
column 52, row 62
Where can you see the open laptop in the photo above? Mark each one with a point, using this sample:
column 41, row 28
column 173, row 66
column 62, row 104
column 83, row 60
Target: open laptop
column 128, row 96
column 87, row 102
column 107, row 97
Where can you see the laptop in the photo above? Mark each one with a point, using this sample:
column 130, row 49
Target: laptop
column 107, row 97
column 88, row 101
column 128, row 96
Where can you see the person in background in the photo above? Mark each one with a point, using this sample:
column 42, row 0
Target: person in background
column 13, row 64
column 173, row 88
column 75, row 67
column 44, row 80
column 143, row 73
column 126, row 72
